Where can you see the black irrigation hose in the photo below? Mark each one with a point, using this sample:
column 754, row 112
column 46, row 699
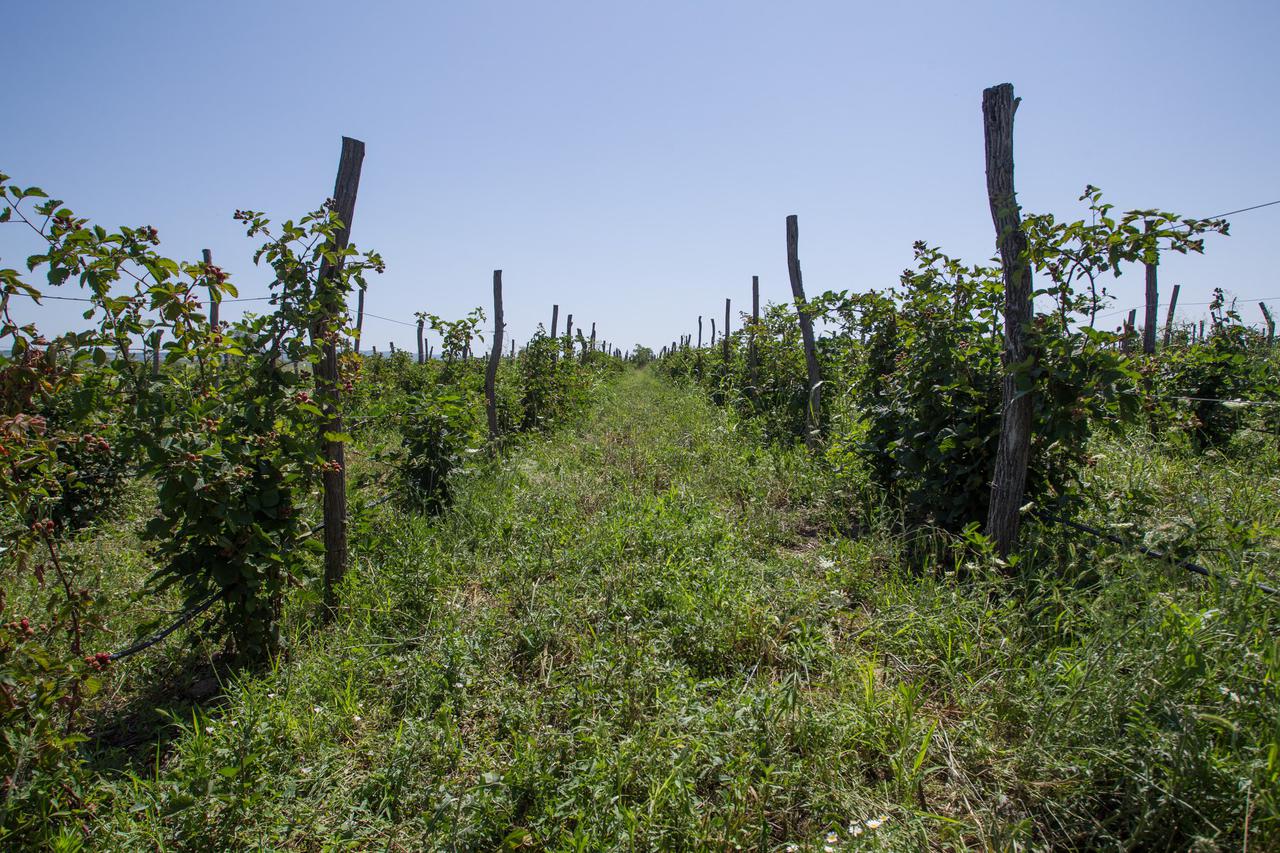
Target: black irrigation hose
column 187, row 616
column 1153, row 553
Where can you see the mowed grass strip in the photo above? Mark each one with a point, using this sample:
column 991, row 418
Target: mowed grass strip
column 647, row 633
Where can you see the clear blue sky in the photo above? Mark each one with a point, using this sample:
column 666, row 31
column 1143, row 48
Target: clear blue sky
column 636, row 162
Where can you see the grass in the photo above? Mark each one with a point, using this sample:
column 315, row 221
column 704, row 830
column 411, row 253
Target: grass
column 649, row 632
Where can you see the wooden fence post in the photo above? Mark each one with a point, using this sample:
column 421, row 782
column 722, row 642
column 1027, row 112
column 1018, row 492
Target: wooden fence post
column 568, row 332
column 422, row 354
column 1009, row 479
column 713, row 332
column 813, row 421
column 699, row 331
column 1130, row 326
column 593, row 337
column 1168, row 320
column 751, row 338
column 345, row 187
column 359, row 319
column 555, row 320
column 214, row 304
column 156, row 336
column 1153, row 301
column 1271, row 323
column 1201, row 338
column 724, row 340
column 491, row 375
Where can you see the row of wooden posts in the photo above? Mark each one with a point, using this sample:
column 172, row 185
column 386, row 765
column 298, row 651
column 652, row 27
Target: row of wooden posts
column 330, row 427
column 1008, row 484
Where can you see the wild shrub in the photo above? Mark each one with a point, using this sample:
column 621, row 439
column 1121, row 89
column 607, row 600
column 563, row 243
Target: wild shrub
column 1199, row 384
column 441, row 430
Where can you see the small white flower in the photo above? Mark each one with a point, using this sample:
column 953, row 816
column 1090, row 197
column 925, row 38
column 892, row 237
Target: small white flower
column 234, row 723
column 271, row 695
column 317, row 709
column 457, row 685
column 208, row 730
column 877, row 822
column 791, row 848
column 832, row 838
column 306, row 771
column 824, row 563
column 356, row 718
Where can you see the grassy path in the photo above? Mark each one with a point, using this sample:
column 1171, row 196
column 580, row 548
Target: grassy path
column 632, row 635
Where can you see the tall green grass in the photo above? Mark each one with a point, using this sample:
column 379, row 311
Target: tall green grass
column 650, row 632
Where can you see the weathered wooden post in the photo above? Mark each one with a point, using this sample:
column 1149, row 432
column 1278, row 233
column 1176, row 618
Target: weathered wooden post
column 513, row 348
column 1271, row 323
column 1009, row 479
column 215, row 301
column 751, row 338
column 699, row 331
column 359, row 319
column 155, row 351
column 491, row 374
column 1153, row 299
column 725, row 338
column 1201, row 338
column 1130, row 324
column 345, row 187
column 555, row 319
column 1168, row 320
column 813, row 436
column 422, row 353
column 713, row 332
column 568, row 331
column 593, row 337
column 392, row 344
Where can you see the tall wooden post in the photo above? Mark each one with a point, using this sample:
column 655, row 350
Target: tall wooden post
column 214, row 302
column 751, row 338
column 1153, row 301
column 593, row 337
column 713, row 332
column 513, row 347
column 359, row 320
column 813, row 435
column 568, row 334
column 422, row 353
column 1009, row 479
column 491, row 375
column 1201, row 339
column 1271, row 323
column 1168, row 320
column 699, row 331
column 1130, row 324
column 555, row 320
column 724, row 341
column 155, row 351
column 345, row 187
